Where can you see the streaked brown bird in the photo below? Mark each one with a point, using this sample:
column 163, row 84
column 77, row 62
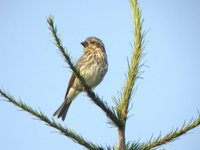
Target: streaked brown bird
column 92, row 65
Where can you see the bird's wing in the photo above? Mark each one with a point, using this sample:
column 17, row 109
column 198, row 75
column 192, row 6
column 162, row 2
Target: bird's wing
column 71, row 81
column 79, row 63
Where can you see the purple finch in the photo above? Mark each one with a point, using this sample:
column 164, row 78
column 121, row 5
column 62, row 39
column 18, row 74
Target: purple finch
column 92, row 66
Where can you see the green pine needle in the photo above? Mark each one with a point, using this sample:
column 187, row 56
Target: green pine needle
column 51, row 122
column 173, row 135
column 134, row 64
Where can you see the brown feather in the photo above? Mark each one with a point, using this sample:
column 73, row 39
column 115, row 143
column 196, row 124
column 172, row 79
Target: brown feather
column 70, row 84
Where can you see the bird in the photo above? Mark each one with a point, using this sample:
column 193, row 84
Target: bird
column 92, row 66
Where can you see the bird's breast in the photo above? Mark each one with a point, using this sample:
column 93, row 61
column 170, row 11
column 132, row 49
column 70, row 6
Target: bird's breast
column 94, row 70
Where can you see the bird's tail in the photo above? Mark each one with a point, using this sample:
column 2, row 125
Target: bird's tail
column 62, row 110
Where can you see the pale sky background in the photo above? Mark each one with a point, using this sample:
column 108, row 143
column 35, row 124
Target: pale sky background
column 32, row 70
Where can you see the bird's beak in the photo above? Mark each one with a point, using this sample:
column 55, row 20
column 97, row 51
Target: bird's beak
column 85, row 44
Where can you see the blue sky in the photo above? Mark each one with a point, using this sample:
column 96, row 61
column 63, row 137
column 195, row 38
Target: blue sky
column 32, row 70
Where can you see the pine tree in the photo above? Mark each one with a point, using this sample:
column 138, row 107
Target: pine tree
column 117, row 115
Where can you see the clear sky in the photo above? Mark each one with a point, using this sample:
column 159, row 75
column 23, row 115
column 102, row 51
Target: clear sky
column 32, row 70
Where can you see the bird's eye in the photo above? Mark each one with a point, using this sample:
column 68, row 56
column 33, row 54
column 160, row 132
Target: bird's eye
column 92, row 42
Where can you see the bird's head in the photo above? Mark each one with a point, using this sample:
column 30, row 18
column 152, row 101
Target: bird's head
column 93, row 44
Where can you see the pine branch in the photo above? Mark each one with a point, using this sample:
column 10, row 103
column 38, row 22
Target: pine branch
column 134, row 146
column 133, row 72
column 173, row 135
column 134, row 65
column 94, row 97
column 50, row 122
